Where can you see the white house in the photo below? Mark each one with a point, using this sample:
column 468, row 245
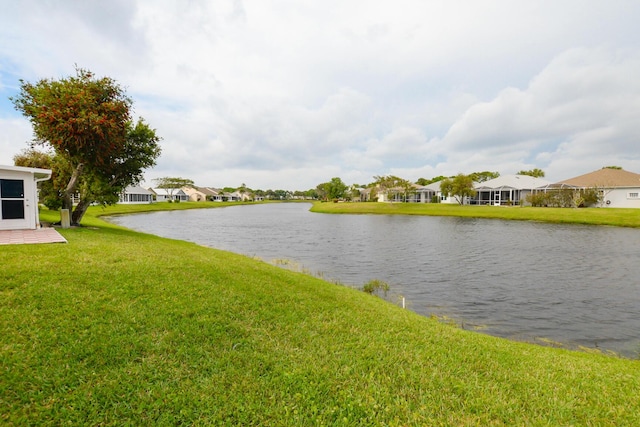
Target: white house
column 506, row 189
column 430, row 192
column 173, row 194
column 134, row 194
column 19, row 197
column 396, row 194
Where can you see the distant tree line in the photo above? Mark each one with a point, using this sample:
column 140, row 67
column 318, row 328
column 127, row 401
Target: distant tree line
column 458, row 186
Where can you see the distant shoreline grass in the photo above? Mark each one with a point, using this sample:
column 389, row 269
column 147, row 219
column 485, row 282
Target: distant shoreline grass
column 119, row 328
column 589, row 216
column 617, row 217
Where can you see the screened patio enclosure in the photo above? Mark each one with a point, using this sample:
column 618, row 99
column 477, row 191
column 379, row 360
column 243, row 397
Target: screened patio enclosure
column 506, row 190
column 498, row 197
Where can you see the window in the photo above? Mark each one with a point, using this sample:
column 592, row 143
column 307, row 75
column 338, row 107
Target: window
column 11, row 188
column 12, row 209
column 12, row 199
column 632, row 196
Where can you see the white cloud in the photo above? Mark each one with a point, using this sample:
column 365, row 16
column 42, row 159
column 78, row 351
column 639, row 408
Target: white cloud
column 14, row 138
column 581, row 105
column 291, row 94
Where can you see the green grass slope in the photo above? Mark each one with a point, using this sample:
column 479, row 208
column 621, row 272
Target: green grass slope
column 123, row 328
column 592, row 216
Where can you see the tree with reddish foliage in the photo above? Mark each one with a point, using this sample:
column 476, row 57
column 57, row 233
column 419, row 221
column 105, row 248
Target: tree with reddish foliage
column 87, row 121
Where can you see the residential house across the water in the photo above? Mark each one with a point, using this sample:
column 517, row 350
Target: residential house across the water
column 431, row 193
column 237, row 196
column 506, row 190
column 619, row 188
column 169, row 194
column 212, row 194
column 195, row 194
column 134, row 194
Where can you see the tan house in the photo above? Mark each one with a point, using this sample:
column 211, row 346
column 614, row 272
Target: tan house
column 237, row 196
column 195, row 194
column 211, row 194
column 619, row 188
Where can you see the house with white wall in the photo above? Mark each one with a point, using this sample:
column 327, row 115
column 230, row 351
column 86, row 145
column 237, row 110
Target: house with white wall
column 134, row 194
column 619, row 188
column 427, row 193
column 19, row 197
column 430, row 192
column 506, row 190
column 169, row 194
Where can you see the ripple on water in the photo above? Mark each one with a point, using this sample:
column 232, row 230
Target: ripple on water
column 524, row 280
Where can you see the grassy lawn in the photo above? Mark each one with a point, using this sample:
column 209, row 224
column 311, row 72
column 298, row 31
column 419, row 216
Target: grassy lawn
column 122, row 328
column 593, row 216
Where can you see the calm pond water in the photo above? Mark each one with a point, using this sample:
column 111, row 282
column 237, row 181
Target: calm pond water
column 573, row 284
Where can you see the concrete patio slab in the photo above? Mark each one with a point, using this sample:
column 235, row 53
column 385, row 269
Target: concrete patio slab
column 21, row 237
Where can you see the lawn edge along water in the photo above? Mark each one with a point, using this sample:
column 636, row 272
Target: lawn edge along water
column 619, row 217
column 119, row 328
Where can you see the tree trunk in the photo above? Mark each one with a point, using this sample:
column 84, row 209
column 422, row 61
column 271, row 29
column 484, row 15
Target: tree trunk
column 80, row 210
column 67, row 202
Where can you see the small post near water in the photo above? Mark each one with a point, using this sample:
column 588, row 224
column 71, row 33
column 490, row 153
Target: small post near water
column 65, row 219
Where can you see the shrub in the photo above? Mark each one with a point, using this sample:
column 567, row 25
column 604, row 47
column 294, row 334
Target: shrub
column 375, row 286
column 566, row 198
column 591, row 196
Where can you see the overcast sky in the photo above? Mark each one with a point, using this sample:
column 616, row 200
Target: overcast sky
column 286, row 94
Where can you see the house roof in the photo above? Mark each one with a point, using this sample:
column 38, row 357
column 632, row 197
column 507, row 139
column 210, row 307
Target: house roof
column 37, row 172
column 136, row 189
column 605, row 177
column 208, row 191
column 166, row 192
column 434, row 186
column 518, row 182
column 192, row 190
